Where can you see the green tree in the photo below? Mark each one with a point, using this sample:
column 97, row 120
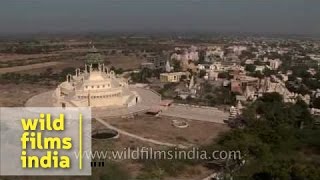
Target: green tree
column 202, row 73
column 272, row 140
column 250, row 67
column 176, row 65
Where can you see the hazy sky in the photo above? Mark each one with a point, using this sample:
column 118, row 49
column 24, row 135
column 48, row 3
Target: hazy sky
column 273, row 16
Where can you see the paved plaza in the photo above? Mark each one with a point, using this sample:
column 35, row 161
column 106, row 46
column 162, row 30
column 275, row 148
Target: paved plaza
column 148, row 98
column 201, row 113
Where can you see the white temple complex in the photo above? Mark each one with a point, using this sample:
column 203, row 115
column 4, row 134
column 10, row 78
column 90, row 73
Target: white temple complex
column 95, row 86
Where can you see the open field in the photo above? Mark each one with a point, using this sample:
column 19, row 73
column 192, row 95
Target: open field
column 125, row 62
column 142, row 128
column 15, row 95
column 160, row 128
column 29, row 67
column 60, row 60
column 19, row 57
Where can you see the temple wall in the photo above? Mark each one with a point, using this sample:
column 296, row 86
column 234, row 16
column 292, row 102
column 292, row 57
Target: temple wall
column 99, row 102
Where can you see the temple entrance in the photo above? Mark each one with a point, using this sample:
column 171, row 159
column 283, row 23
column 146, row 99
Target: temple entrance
column 63, row 105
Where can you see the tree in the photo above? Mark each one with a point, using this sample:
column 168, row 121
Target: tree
column 223, row 75
column 141, row 77
column 268, row 72
column 176, row 65
column 202, row 73
column 316, row 103
column 247, row 55
column 183, row 77
column 65, row 72
column 250, row 67
column 116, row 70
column 272, row 139
column 202, row 56
column 271, row 97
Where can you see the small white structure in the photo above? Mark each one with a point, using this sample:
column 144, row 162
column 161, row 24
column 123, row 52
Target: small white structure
column 235, row 111
column 191, row 84
column 180, row 124
column 168, row 67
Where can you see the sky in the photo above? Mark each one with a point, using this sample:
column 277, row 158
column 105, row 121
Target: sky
column 254, row 16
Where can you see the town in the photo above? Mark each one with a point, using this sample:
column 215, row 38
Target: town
column 159, row 90
column 173, row 92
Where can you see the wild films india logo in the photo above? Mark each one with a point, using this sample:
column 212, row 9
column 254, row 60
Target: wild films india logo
column 43, row 141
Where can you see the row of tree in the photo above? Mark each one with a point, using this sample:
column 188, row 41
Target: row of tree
column 277, row 141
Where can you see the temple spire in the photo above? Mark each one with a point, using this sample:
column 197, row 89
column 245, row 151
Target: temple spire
column 191, row 84
column 168, row 67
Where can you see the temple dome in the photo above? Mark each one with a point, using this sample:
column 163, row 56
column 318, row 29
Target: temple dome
column 94, row 57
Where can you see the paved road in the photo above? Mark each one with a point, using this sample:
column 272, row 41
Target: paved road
column 41, row 100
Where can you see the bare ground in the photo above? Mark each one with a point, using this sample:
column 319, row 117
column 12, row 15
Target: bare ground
column 18, row 57
column 15, row 95
column 29, row 67
column 160, row 128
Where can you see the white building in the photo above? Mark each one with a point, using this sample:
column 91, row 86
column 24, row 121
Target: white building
column 96, row 86
column 237, row 49
column 260, row 68
column 214, row 51
column 274, row 64
column 186, row 54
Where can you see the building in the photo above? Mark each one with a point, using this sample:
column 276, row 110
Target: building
column 172, row 77
column 237, row 49
column 214, row 51
column 186, row 54
column 315, row 57
column 96, row 86
column 203, row 66
column 216, row 66
column 158, row 60
column 213, row 75
column 241, row 83
column 274, row 64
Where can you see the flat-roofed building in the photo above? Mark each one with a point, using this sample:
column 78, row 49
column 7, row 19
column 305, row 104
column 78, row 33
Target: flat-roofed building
column 172, row 77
